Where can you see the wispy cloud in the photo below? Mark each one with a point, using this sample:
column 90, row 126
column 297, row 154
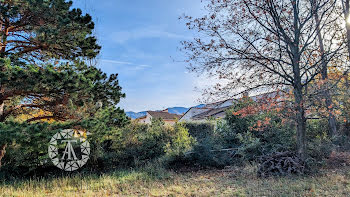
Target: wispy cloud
column 145, row 32
column 144, row 66
column 134, row 66
column 116, row 62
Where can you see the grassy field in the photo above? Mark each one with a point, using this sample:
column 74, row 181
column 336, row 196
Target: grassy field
column 228, row 182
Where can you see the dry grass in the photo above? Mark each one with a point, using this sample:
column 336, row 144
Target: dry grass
column 228, row 182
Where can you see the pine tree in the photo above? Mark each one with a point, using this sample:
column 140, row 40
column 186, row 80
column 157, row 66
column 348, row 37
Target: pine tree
column 43, row 46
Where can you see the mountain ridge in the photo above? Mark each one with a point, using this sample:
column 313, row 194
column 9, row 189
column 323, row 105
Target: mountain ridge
column 171, row 110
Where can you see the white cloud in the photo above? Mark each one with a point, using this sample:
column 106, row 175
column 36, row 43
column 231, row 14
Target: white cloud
column 146, row 32
column 134, row 66
column 116, row 62
column 145, row 66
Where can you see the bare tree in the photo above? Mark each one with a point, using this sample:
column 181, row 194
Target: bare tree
column 262, row 44
column 324, row 62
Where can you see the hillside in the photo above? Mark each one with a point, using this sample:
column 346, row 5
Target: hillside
column 172, row 110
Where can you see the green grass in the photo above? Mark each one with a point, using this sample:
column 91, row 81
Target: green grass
column 151, row 182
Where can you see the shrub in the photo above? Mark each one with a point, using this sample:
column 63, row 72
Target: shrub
column 206, row 155
column 242, row 120
column 136, row 144
column 249, row 147
column 27, row 145
column 341, row 142
column 251, row 144
column 337, row 159
column 316, row 128
column 234, row 139
column 206, row 152
column 130, row 146
column 319, row 145
column 200, row 131
column 180, row 141
column 226, row 134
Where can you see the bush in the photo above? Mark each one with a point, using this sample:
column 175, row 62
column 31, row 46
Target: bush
column 27, row 145
column 251, row 144
column 319, row 145
column 180, row 142
column 234, row 141
column 341, row 143
column 206, row 152
column 200, row 131
column 273, row 134
column 136, row 144
column 337, row 159
column 133, row 145
column 250, row 147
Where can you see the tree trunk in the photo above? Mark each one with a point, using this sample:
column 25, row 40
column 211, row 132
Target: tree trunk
column 301, row 122
column 299, row 106
column 298, row 88
column 332, row 123
column 346, row 126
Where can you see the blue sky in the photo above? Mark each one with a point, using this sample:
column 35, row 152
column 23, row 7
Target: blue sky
column 140, row 41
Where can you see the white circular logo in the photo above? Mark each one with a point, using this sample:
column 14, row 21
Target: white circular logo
column 64, row 150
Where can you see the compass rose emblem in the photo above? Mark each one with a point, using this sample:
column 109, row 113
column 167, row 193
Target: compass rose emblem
column 62, row 152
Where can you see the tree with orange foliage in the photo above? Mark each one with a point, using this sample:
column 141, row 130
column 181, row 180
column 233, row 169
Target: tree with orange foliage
column 262, row 45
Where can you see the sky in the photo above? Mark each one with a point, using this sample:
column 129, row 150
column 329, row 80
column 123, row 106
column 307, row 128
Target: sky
column 140, row 41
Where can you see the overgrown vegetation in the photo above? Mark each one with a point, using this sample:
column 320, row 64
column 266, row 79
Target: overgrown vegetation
column 232, row 141
column 235, row 181
column 47, row 85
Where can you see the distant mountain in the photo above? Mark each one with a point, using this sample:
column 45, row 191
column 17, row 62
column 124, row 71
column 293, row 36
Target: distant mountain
column 171, row 110
column 177, row 110
column 200, row 106
column 134, row 115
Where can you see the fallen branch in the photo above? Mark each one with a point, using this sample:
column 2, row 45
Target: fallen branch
column 280, row 164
